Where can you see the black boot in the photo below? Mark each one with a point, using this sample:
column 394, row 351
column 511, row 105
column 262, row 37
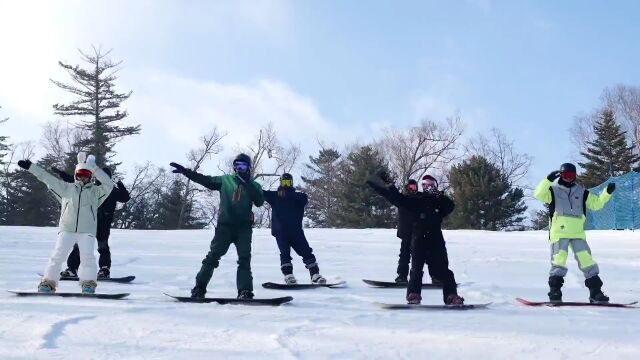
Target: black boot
column 245, row 294
column 555, row 284
column 401, row 279
column 198, row 292
column 596, row 295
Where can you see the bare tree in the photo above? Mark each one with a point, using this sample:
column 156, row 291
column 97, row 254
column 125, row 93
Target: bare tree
column 209, row 145
column 428, row 147
column 60, row 140
column 269, row 159
column 501, row 152
column 144, row 189
column 624, row 100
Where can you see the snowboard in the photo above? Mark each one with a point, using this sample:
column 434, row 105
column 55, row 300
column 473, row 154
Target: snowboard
column 122, row 280
column 395, row 285
column 75, row 295
column 569, row 303
column 433, row 307
column 223, row 301
column 276, row 286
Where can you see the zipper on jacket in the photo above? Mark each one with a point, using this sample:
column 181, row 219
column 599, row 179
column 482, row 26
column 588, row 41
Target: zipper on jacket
column 78, row 214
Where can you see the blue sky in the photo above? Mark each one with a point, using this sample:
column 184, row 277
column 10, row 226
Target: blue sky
column 335, row 70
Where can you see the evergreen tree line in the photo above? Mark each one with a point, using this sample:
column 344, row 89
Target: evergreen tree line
column 485, row 175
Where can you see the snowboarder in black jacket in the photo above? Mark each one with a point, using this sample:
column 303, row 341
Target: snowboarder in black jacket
column 105, row 218
column 406, row 219
column 430, row 207
column 287, row 211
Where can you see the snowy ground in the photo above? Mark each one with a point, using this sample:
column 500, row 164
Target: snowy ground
column 320, row 323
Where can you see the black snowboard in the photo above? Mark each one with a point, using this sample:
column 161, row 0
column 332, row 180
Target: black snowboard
column 75, row 295
column 433, row 307
column 124, row 279
column 568, row 303
column 395, row 285
column 273, row 301
column 276, row 286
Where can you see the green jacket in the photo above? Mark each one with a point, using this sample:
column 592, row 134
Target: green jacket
column 236, row 197
column 568, row 208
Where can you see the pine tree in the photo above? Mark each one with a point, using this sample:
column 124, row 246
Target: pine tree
column 321, row 186
column 359, row 206
column 97, row 104
column 485, row 200
column 30, row 202
column 169, row 208
column 609, row 154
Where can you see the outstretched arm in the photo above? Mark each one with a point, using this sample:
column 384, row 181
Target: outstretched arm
column 59, row 188
column 597, row 202
column 106, row 185
column 121, row 193
column 210, row 182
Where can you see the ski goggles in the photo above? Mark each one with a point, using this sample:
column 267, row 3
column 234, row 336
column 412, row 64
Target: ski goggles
column 241, row 166
column 568, row 176
column 83, row 173
column 286, row 182
column 429, row 184
column 412, row 187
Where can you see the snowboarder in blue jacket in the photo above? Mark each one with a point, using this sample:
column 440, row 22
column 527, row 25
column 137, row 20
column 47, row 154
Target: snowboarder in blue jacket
column 287, row 211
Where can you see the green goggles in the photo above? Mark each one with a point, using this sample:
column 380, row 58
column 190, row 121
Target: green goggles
column 286, row 182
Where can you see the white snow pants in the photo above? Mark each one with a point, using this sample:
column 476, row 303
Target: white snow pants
column 88, row 269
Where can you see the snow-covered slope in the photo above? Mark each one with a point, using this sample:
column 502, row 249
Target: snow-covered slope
column 321, row 323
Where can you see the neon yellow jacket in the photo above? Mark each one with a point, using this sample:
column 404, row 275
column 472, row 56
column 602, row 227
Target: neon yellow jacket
column 568, row 208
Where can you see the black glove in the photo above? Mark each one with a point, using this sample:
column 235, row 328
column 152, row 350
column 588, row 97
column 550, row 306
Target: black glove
column 611, row 188
column 56, row 170
column 179, row 169
column 553, row 175
column 384, row 176
column 25, row 164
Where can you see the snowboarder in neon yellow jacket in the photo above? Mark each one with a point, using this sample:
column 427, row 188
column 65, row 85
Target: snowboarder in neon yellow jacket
column 568, row 203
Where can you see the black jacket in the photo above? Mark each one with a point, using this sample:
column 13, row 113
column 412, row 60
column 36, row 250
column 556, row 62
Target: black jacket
column 287, row 210
column 108, row 207
column 429, row 209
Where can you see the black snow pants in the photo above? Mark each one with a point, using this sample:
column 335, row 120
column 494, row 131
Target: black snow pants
column 429, row 246
column 298, row 242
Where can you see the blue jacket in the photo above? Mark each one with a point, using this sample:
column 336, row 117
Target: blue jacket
column 287, row 210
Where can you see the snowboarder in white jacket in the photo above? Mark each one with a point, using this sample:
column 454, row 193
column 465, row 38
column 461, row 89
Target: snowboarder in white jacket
column 79, row 204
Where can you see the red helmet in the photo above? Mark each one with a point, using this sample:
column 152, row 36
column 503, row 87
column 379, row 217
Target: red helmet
column 83, row 173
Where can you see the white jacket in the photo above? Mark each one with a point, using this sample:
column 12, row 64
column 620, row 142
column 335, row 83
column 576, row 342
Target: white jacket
column 79, row 202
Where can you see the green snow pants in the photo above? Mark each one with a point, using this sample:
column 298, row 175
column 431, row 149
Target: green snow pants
column 240, row 235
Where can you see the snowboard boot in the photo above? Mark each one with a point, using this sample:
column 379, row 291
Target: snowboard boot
column 69, row 273
column 47, row 286
column 198, row 292
column 287, row 269
column 290, row 279
column 401, row 279
column 245, row 294
column 555, row 284
column 454, row 299
column 104, row 273
column 88, row 286
column 414, row 298
column 596, row 296
column 318, row 279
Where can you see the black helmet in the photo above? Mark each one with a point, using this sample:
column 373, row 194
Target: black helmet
column 568, row 173
column 286, row 180
column 567, row 167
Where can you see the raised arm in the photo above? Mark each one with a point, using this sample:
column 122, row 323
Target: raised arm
column 63, row 175
column 121, row 193
column 210, row 182
column 543, row 190
column 58, row 187
column 106, row 185
column 269, row 196
column 597, row 202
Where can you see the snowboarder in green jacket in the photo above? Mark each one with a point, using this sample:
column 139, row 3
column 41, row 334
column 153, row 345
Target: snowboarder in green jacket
column 238, row 193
